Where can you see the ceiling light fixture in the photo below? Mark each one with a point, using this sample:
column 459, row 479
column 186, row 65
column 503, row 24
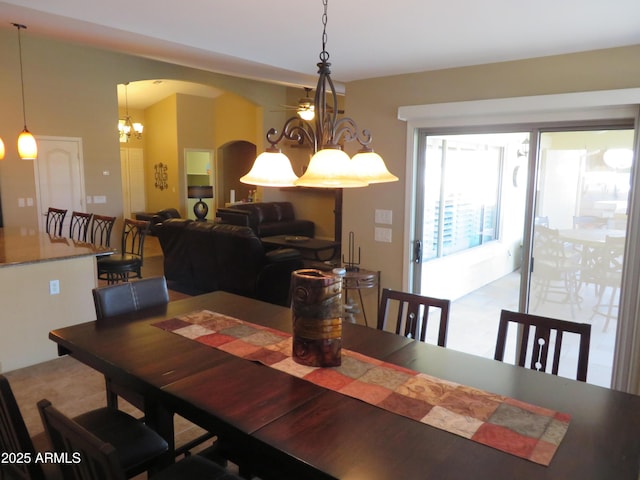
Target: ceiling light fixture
column 305, row 107
column 27, row 146
column 126, row 127
column 330, row 166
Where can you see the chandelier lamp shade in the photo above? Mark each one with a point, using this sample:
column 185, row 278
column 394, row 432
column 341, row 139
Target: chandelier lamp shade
column 27, row 146
column 325, row 133
column 127, row 127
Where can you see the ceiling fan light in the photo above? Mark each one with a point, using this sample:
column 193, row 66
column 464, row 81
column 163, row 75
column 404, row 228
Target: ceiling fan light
column 370, row 167
column 27, row 146
column 330, row 168
column 306, row 112
column 271, row 169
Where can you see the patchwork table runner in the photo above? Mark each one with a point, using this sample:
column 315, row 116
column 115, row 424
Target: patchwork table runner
column 515, row 427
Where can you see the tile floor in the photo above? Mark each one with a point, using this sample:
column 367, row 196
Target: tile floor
column 473, row 325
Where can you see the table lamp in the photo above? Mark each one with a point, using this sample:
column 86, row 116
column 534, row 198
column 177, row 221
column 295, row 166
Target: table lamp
column 200, row 209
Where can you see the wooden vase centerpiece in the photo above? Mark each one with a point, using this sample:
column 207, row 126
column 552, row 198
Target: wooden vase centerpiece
column 316, row 308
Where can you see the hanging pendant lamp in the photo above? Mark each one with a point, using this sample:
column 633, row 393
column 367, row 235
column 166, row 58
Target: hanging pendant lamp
column 27, row 146
column 330, row 166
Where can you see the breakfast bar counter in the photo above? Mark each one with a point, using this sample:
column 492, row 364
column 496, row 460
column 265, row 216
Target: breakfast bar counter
column 44, row 280
column 19, row 246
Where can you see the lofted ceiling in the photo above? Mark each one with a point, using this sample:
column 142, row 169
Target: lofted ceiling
column 280, row 40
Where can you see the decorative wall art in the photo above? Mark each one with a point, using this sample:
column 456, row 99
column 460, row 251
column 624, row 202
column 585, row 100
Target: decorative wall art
column 161, row 176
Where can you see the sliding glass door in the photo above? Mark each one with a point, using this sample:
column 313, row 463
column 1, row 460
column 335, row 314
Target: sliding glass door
column 489, row 208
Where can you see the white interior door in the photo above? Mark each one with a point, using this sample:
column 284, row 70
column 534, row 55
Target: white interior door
column 59, row 176
column 133, row 190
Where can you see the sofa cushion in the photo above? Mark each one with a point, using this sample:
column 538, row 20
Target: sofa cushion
column 267, row 218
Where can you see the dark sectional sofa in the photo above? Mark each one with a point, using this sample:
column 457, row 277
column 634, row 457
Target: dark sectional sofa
column 267, row 219
column 155, row 218
column 205, row 256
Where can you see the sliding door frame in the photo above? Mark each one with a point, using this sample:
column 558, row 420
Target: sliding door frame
column 572, row 108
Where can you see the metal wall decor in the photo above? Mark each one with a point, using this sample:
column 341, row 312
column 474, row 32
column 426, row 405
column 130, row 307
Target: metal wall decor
column 161, row 176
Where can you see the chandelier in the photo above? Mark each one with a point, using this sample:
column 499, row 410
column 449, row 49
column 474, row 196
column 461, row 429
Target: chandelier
column 126, row 127
column 330, row 166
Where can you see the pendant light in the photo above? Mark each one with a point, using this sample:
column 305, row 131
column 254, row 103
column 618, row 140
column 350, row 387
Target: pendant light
column 330, row 166
column 27, row 146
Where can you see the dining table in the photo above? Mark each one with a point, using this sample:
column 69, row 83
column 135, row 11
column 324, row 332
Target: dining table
column 280, row 426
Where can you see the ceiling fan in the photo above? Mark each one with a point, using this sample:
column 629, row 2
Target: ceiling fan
column 305, row 108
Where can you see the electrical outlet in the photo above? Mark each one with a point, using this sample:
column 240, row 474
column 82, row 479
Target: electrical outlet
column 54, row 287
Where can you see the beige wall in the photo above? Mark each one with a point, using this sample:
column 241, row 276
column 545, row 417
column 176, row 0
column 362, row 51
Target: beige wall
column 161, row 146
column 374, row 103
column 71, row 91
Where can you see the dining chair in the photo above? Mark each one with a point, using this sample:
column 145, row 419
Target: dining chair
column 534, row 347
column 413, row 314
column 95, row 455
column 607, row 274
column 139, row 448
column 101, row 227
column 15, row 439
column 79, row 226
column 129, row 297
column 127, row 264
column 54, row 221
column 122, row 298
column 556, row 269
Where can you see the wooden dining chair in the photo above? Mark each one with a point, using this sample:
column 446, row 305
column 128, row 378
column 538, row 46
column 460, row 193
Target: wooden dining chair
column 101, row 227
column 55, row 221
column 96, row 456
column 15, row 439
column 79, row 226
column 126, row 264
column 539, row 337
column 413, row 314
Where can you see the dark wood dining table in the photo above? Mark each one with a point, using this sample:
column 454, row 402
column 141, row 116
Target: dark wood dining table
column 283, row 427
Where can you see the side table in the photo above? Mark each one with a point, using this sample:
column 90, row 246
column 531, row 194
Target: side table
column 359, row 280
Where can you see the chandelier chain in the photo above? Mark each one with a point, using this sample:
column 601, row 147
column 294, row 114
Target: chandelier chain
column 324, row 55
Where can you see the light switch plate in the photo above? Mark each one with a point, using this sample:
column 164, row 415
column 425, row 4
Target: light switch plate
column 384, row 217
column 382, row 235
